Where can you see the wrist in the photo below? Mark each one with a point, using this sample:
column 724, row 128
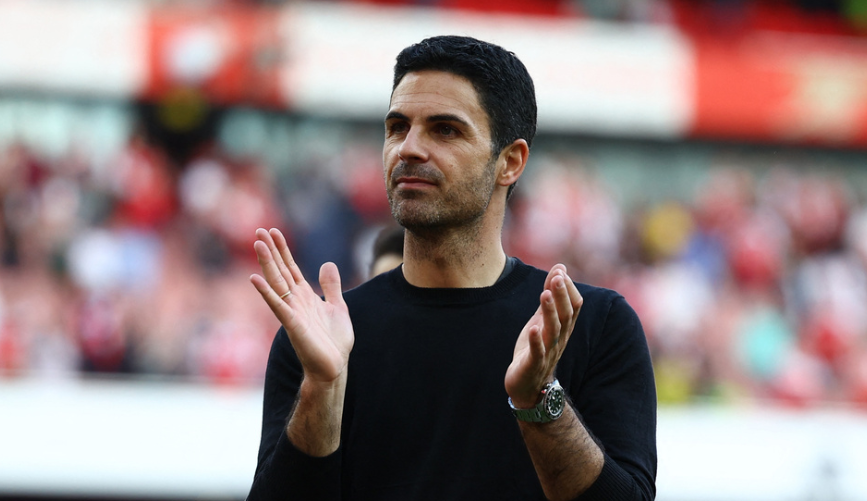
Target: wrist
column 532, row 397
column 526, row 403
column 550, row 405
column 323, row 385
column 323, row 393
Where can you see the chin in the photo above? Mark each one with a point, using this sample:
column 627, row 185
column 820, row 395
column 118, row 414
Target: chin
column 413, row 220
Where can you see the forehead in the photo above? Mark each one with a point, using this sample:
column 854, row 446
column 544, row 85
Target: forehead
column 433, row 92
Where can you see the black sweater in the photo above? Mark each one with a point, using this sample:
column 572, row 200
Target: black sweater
column 426, row 413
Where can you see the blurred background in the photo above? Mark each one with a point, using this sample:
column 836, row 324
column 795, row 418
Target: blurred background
column 705, row 158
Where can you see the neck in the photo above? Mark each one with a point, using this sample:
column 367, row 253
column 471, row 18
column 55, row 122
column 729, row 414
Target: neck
column 454, row 258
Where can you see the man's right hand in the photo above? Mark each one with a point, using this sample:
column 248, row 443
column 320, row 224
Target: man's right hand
column 320, row 331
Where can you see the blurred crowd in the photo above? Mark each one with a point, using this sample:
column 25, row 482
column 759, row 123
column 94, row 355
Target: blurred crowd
column 139, row 268
column 752, row 287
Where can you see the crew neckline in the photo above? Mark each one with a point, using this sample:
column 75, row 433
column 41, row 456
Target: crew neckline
column 514, row 272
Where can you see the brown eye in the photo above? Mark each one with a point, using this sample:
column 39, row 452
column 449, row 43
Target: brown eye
column 396, row 128
column 447, row 130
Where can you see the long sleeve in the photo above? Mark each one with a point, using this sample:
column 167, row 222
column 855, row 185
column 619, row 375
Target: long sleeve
column 283, row 472
column 616, row 398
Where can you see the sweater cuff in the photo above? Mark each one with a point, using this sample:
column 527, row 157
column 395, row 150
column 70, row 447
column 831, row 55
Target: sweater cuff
column 613, row 483
column 312, row 477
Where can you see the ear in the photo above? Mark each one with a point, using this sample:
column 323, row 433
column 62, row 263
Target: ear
column 513, row 159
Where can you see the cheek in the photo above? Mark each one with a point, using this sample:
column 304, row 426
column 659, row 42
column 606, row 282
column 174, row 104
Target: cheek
column 390, row 150
column 387, row 163
column 386, row 175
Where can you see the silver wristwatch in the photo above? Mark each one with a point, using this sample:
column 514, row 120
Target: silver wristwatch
column 550, row 408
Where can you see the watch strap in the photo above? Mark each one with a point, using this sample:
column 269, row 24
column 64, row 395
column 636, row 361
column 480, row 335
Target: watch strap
column 534, row 415
column 540, row 413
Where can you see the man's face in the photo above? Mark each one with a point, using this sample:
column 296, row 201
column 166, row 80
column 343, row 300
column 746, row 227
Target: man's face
column 437, row 160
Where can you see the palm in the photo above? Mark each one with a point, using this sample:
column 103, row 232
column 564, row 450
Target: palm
column 321, row 333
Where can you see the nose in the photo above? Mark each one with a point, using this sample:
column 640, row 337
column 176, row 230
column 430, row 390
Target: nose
column 413, row 147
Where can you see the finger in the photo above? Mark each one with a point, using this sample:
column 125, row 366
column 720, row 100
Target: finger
column 537, row 346
column 550, row 320
column 281, row 310
column 329, row 280
column 268, row 237
column 562, row 300
column 286, row 255
column 264, row 236
column 575, row 297
column 272, row 274
column 575, row 301
column 555, row 270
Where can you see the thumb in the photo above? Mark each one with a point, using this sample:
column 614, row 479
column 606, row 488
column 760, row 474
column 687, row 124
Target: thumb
column 329, row 280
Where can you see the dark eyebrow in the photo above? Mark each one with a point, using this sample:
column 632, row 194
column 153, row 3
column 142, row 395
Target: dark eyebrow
column 394, row 115
column 445, row 117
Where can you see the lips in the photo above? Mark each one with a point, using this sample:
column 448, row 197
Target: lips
column 413, row 182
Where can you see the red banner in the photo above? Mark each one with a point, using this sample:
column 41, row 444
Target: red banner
column 230, row 54
column 782, row 87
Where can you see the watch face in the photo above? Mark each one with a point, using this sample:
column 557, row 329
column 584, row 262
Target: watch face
column 555, row 401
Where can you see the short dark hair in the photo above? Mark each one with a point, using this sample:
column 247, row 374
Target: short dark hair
column 504, row 85
column 389, row 240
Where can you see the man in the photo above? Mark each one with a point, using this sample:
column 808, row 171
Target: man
column 445, row 377
column 387, row 250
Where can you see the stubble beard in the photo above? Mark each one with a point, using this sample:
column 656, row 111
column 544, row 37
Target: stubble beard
column 457, row 208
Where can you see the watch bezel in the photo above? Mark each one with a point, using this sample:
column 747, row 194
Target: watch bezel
column 555, row 400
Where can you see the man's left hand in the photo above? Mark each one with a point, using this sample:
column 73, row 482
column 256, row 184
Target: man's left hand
column 543, row 339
